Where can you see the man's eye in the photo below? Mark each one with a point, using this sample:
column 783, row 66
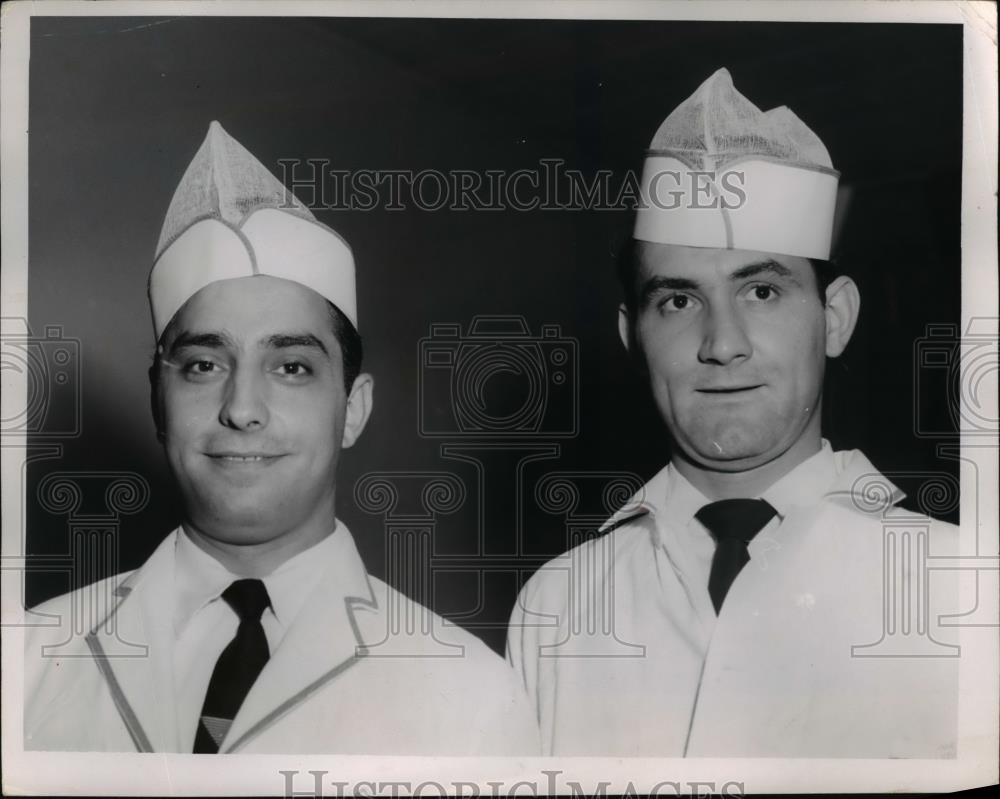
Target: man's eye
column 676, row 302
column 201, row 367
column 762, row 293
column 294, row 369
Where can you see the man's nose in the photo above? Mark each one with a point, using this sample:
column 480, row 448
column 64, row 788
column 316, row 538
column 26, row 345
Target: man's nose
column 245, row 404
column 724, row 337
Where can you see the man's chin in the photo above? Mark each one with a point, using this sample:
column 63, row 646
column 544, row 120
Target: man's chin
column 238, row 523
column 731, row 451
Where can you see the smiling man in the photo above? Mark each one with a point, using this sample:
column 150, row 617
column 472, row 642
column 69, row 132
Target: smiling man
column 731, row 607
column 254, row 627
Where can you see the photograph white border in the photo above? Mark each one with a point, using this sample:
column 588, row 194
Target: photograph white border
column 174, row 774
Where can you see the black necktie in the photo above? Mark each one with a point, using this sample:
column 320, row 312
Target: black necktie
column 237, row 667
column 734, row 523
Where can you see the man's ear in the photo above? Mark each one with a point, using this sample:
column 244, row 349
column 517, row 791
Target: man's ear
column 624, row 327
column 843, row 304
column 359, row 408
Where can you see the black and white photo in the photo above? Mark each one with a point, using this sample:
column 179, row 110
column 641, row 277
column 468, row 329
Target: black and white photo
column 519, row 397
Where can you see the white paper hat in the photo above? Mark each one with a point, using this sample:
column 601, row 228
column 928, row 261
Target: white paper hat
column 230, row 217
column 722, row 173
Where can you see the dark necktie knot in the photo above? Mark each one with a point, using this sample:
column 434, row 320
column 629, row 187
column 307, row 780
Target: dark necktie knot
column 739, row 519
column 733, row 523
column 248, row 598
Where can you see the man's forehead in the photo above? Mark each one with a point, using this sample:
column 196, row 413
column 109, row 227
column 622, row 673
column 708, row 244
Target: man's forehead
column 252, row 311
column 674, row 260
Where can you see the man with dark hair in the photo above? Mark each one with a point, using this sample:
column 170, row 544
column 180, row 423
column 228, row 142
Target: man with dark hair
column 254, row 627
column 732, row 605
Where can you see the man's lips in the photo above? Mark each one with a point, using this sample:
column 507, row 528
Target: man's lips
column 234, row 457
column 727, row 389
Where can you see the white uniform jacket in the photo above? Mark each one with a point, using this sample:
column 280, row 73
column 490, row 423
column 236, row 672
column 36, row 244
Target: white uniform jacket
column 622, row 653
column 357, row 672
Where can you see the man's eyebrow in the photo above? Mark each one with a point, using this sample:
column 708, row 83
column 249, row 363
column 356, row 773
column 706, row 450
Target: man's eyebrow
column 213, row 341
column 769, row 266
column 661, row 283
column 285, row 340
column 222, row 340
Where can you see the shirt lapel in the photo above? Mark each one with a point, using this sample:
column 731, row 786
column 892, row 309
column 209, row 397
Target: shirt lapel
column 133, row 649
column 323, row 642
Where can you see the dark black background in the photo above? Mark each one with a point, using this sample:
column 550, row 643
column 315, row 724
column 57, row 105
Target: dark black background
column 119, row 106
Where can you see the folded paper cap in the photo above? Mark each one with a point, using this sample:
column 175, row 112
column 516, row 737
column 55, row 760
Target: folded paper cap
column 722, row 173
column 230, row 217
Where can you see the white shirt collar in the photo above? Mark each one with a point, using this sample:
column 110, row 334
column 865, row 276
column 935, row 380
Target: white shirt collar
column 804, row 485
column 201, row 579
column 672, row 497
column 681, row 501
